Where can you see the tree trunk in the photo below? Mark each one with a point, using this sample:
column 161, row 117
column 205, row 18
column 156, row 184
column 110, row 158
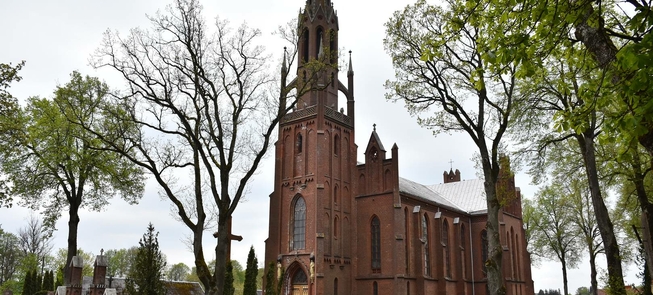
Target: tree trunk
column 613, row 257
column 565, row 281
column 221, row 255
column 493, row 264
column 594, row 284
column 73, row 224
column 646, row 207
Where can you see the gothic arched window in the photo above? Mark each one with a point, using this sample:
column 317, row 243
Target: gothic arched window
column 376, row 244
column 375, row 288
column 445, row 249
column 462, row 250
column 406, row 239
column 299, row 224
column 299, row 143
column 319, row 34
column 425, row 240
column 305, row 45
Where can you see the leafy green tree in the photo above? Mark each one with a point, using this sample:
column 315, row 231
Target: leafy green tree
column 555, row 236
column 271, row 280
column 259, row 278
column 229, row 279
column 147, row 271
column 88, row 258
column 644, row 273
column 566, row 91
column 448, row 76
column 251, row 272
column 48, row 281
column 178, row 272
column 617, row 37
column 214, row 110
column 585, row 222
column 9, row 256
column 58, row 278
column 27, row 283
column 60, row 164
column 119, row 261
column 582, row 291
column 8, row 108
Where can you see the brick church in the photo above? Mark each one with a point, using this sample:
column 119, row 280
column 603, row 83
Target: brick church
column 339, row 226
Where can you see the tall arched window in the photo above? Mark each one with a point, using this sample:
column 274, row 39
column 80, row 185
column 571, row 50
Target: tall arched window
column 319, row 46
column 462, row 250
column 336, row 145
column 376, row 244
column 484, row 250
column 375, row 288
column 445, row 249
column 335, row 286
column 299, row 143
column 425, row 240
column 305, row 46
column 299, row 224
column 406, row 239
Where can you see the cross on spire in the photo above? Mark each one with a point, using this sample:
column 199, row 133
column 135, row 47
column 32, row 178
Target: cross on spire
column 374, row 126
column 451, row 164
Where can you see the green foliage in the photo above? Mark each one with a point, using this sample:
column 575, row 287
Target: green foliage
column 59, row 278
column 280, row 281
column 120, row 260
column 57, row 155
column 644, row 273
column 12, row 285
column 9, row 256
column 8, row 109
column 449, row 74
column 88, row 259
column 27, row 283
column 251, row 273
column 178, row 272
column 555, row 237
column 147, row 270
column 582, row 291
column 228, row 286
column 48, row 281
column 61, row 165
column 270, row 280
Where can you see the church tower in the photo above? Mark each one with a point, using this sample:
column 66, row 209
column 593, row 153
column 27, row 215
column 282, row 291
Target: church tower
column 311, row 219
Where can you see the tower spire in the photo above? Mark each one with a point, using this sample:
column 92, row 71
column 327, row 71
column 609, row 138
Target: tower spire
column 351, row 70
column 284, row 67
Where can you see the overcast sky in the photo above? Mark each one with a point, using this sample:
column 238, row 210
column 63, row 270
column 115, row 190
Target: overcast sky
column 57, row 37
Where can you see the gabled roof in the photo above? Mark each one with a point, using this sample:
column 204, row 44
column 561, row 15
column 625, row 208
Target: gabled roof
column 467, row 196
column 375, row 138
column 421, row 191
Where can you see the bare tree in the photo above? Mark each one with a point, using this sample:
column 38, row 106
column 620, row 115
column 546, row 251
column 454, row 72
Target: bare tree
column 205, row 107
column 35, row 239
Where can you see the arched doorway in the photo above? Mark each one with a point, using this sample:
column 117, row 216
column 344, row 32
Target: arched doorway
column 299, row 283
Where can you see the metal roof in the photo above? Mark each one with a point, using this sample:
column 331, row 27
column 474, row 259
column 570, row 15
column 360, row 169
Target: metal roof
column 466, row 195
